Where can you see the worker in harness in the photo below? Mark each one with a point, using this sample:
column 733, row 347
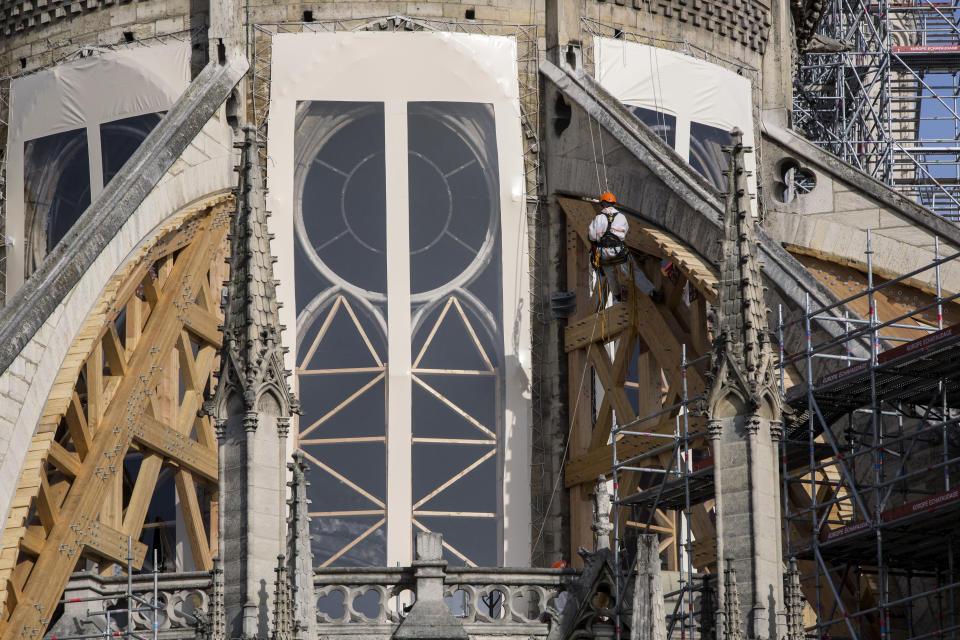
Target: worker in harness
column 609, row 254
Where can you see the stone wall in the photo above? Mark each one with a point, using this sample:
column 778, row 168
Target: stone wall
column 37, row 32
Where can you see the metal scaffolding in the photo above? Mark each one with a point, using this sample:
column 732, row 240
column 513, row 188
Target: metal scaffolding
column 870, row 511
column 118, row 620
column 676, row 487
column 882, row 91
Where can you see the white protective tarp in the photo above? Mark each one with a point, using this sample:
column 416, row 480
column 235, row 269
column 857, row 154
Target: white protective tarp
column 396, row 69
column 688, row 88
column 82, row 95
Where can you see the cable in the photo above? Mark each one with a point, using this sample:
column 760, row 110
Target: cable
column 566, row 446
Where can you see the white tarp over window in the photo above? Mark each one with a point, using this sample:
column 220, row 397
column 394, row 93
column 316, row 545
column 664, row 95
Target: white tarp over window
column 72, row 124
column 396, row 167
column 689, row 102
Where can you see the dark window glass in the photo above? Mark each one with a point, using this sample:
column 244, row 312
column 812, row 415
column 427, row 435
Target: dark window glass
column 342, row 189
column 454, row 191
column 706, row 152
column 340, row 267
column 120, row 138
column 335, row 533
column 663, row 124
column 56, row 178
column 457, row 343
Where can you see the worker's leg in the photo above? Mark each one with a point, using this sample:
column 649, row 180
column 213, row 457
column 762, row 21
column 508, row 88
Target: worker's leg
column 613, row 281
column 640, row 280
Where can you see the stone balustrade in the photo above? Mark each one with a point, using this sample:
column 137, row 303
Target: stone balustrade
column 183, row 599
column 505, row 602
column 351, row 602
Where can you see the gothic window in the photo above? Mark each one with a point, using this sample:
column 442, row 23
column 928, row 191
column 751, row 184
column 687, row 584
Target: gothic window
column 56, row 179
column 663, row 124
column 454, row 296
column 455, row 252
column 341, row 270
column 706, row 152
column 120, row 138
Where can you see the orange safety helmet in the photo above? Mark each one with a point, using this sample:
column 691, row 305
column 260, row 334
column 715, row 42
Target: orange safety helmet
column 608, row 197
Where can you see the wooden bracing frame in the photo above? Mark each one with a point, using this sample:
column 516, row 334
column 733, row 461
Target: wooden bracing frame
column 661, row 328
column 123, row 408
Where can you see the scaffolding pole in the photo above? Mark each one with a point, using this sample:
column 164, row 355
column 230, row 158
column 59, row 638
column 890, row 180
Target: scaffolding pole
column 874, row 517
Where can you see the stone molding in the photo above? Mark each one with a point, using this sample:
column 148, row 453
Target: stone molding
column 744, row 21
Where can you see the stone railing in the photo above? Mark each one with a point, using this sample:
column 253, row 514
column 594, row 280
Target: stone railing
column 352, row 602
column 183, row 599
column 503, row 602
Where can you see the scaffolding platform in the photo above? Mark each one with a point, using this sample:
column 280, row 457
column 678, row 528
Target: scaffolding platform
column 856, row 543
column 925, row 57
column 796, row 454
column 910, row 373
column 672, row 493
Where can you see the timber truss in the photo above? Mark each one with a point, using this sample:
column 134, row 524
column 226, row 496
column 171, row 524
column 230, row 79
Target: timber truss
column 635, row 350
column 123, row 410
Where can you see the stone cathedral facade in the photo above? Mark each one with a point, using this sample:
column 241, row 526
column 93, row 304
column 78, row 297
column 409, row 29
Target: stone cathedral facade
column 297, row 314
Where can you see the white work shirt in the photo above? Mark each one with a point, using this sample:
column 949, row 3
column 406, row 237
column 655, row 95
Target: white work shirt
column 599, row 226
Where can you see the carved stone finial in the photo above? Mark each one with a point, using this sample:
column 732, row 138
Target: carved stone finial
column 794, row 603
column 430, row 618
column 301, row 554
column 218, row 618
column 282, row 613
column 732, row 624
column 601, row 526
column 743, row 372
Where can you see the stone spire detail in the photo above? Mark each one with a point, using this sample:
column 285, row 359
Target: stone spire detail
column 743, row 364
column 301, row 553
column 794, row 603
column 282, row 613
column 252, row 407
column 252, row 354
column 744, row 406
column 732, row 622
column 217, row 622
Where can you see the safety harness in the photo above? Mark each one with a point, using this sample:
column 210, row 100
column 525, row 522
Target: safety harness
column 609, row 241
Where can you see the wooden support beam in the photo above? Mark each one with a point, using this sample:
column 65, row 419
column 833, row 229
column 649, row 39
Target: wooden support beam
column 96, row 402
column 109, row 445
column 612, row 377
column 586, row 467
column 66, row 461
column 665, row 345
column 178, row 448
column 33, row 540
column 111, row 544
column 142, row 492
column 203, row 324
column 77, row 426
column 193, row 520
column 581, row 420
column 188, row 367
column 47, row 508
column 114, row 351
column 596, row 327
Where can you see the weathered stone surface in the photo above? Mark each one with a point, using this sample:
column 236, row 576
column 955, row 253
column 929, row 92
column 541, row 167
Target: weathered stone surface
column 252, row 406
column 430, row 618
column 744, row 405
